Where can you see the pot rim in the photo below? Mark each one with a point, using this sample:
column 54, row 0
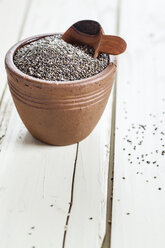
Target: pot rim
column 9, row 64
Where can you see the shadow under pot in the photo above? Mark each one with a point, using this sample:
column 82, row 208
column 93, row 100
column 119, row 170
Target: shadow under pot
column 58, row 113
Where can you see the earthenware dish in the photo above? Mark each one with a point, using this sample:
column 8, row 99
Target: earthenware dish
column 58, row 113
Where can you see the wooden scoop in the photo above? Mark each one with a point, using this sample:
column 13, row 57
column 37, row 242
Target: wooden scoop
column 91, row 33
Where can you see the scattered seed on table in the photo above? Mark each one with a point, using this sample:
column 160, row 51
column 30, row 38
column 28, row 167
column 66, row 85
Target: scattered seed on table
column 143, row 126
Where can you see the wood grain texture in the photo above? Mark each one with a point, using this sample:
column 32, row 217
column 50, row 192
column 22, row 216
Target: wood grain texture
column 5, row 114
column 73, row 10
column 112, row 44
column 87, row 226
column 88, row 217
column 10, row 27
column 35, row 184
column 139, row 186
column 37, row 179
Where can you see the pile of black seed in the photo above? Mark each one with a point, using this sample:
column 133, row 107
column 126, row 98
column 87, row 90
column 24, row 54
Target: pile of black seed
column 53, row 59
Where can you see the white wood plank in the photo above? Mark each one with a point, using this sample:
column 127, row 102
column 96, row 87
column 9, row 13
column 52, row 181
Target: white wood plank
column 35, row 179
column 87, row 225
column 90, row 194
column 5, row 113
column 139, row 186
column 32, row 173
column 58, row 15
column 11, row 18
column 35, row 184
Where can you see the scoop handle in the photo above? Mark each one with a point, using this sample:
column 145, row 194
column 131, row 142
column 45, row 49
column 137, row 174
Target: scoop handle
column 112, row 44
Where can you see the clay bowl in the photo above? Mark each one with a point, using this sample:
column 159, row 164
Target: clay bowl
column 58, row 113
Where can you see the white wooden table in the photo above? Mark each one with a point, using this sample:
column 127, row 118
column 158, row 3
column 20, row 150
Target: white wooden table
column 108, row 190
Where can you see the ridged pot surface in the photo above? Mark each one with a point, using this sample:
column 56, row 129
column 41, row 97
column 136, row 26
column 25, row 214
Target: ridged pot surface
column 58, row 113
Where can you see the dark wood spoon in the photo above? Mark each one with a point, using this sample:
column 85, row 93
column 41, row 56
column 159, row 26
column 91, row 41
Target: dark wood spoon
column 91, row 33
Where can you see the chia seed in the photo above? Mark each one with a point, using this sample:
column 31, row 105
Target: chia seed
column 50, row 58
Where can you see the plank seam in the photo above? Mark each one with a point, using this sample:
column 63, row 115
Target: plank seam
column 113, row 127
column 106, row 241
column 3, row 94
column 19, row 36
column 111, row 164
column 27, row 8
column 107, row 238
column 71, row 198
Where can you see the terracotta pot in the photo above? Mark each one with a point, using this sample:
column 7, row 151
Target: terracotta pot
column 58, row 113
